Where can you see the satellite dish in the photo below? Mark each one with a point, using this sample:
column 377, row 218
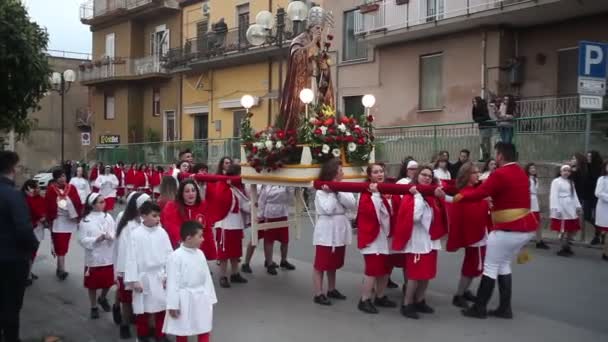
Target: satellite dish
column 256, row 34
column 265, row 19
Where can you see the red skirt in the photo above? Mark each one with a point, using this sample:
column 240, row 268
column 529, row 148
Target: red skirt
column 208, row 245
column 421, row 266
column 397, row 260
column 61, row 243
column 377, row 265
column 276, row 234
column 229, row 243
column 124, row 295
column 604, row 229
column 120, row 192
column 101, row 277
column 329, row 258
column 472, row 265
column 573, row 225
column 110, row 203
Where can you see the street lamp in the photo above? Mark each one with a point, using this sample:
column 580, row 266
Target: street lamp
column 307, row 96
column 368, row 102
column 61, row 83
column 247, row 102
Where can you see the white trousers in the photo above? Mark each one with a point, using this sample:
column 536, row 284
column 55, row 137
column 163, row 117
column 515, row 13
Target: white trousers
column 502, row 247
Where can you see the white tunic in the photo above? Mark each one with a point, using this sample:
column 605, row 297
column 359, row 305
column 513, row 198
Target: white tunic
column 107, row 185
column 601, row 209
column 97, row 253
column 534, row 206
column 274, row 201
column 67, row 219
column 121, row 245
column 442, row 174
column 83, row 187
column 420, row 242
column 333, row 227
column 189, row 290
column 563, row 200
column 380, row 244
column 147, row 255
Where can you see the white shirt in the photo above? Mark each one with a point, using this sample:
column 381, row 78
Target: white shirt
column 420, row 242
column 147, row 255
column 237, row 218
column 83, row 187
column 442, row 174
column 67, row 219
column 333, row 227
column 189, row 290
column 274, row 201
column 97, row 253
column 405, row 180
column 601, row 209
column 107, row 185
column 563, row 200
column 534, row 207
column 380, row 244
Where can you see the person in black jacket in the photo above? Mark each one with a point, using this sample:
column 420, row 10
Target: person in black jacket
column 486, row 126
column 17, row 244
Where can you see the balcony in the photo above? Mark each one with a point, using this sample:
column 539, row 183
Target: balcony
column 416, row 19
column 97, row 12
column 216, row 50
column 119, row 69
column 547, row 105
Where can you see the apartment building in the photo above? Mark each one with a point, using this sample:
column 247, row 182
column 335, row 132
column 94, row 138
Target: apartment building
column 134, row 98
column 426, row 59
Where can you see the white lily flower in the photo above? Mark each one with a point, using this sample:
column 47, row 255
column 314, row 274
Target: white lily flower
column 335, row 152
column 342, row 127
column 269, row 144
column 352, row 147
column 323, row 130
column 325, row 149
column 279, row 144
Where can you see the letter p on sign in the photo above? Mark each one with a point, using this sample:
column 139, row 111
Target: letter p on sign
column 592, row 59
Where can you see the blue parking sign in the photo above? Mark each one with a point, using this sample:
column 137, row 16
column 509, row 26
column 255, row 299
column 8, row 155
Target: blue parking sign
column 592, row 59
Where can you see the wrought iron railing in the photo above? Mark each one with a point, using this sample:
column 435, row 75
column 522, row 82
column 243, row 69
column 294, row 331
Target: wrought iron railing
column 91, row 9
column 107, row 68
column 548, row 105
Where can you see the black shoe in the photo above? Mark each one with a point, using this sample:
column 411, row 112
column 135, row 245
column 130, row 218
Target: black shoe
column 367, row 306
column 103, row 302
column 504, row 291
column 286, row 265
column 423, row 307
column 29, row 282
column 595, row 241
column 61, row 275
column 245, row 268
column 272, row 269
column 322, row 300
column 391, row 284
column 384, row 302
column 484, row 293
column 125, row 332
column 224, row 282
column 238, row 279
column 162, row 339
column 143, row 339
column 33, row 276
column 468, row 295
column 460, row 301
column 94, row 313
column 565, row 252
column 116, row 314
column 335, row 294
column 409, row 311
column 542, row 245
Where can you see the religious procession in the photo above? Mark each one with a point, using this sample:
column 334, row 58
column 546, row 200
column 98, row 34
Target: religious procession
column 379, row 235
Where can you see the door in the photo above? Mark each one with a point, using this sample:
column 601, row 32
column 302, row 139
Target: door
column 110, row 45
column 201, row 126
column 243, row 24
column 169, row 126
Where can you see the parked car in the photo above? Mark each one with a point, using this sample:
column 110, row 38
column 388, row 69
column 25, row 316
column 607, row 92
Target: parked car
column 44, row 177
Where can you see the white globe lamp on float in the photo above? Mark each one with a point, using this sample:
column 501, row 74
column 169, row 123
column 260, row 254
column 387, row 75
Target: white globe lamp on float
column 265, row 19
column 297, row 11
column 307, row 96
column 247, row 102
column 368, row 102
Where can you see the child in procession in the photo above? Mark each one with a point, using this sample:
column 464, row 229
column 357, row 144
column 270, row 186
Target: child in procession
column 565, row 209
column 190, row 290
column 96, row 236
column 534, row 205
column 601, row 209
column 107, row 184
column 37, row 208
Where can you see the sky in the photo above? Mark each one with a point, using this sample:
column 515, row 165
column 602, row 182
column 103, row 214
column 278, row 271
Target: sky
column 62, row 20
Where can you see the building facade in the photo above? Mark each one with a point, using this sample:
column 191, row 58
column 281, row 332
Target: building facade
column 425, row 60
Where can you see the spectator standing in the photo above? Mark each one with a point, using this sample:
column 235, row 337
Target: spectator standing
column 17, row 245
column 463, row 157
column 481, row 116
column 506, row 119
column 489, row 167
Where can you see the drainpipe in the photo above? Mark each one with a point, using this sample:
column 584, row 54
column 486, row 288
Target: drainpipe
column 484, row 43
column 269, row 91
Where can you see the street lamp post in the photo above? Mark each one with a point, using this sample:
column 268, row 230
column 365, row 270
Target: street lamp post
column 61, row 83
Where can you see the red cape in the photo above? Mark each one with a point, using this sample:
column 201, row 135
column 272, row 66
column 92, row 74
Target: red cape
column 130, row 177
column 51, row 201
column 468, row 222
column 37, row 208
column 405, row 221
column 368, row 223
column 155, row 179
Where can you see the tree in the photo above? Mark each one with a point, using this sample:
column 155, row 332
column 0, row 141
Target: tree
column 24, row 67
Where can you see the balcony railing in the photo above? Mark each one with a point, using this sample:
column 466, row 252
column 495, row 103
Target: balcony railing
column 390, row 16
column 92, row 9
column 548, row 105
column 121, row 69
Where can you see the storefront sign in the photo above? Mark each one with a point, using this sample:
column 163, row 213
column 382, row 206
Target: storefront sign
column 109, row 139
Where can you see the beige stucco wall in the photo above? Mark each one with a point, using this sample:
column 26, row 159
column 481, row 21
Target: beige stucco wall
column 123, row 40
column 119, row 125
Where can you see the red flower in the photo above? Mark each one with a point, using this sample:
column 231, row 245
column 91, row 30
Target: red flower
column 370, row 118
column 330, row 37
column 318, row 122
column 281, row 135
column 357, row 130
column 318, row 131
column 254, row 150
column 338, row 138
column 291, row 132
column 257, row 135
column 361, row 141
column 329, row 140
column 258, row 169
column 327, row 44
column 345, row 120
column 349, row 138
column 331, row 131
column 329, row 122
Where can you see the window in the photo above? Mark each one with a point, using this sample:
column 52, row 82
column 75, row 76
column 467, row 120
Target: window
column 353, row 48
column 159, row 41
column 108, row 107
column 201, row 28
column 353, row 106
column 156, row 102
column 170, row 126
column 243, row 23
column 110, row 45
column 434, row 10
column 237, row 117
column 201, row 126
column 430, row 82
column 567, row 71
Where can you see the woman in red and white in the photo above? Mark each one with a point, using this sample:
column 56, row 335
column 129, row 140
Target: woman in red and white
column 469, row 223
column 229, row 230
column 155, row 179
column 141, row 182
column 419, row 226
column 374, row 217
column 107, row 184
column 534, row 206
column 130, row 178
column 333, row 232
column 63, row 209
column 96, row 170
column 601, row 208
column 81, row 183
column 37, row 208
column 96, row 236
column 565, row 209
